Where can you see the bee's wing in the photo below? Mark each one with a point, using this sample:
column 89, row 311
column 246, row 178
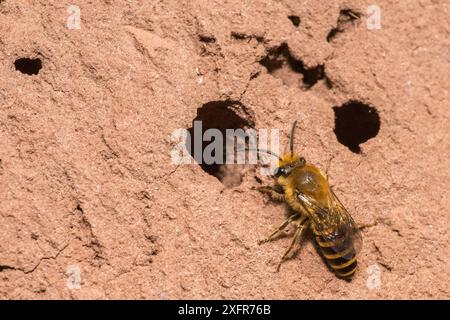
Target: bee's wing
column 333, row 222
column 350, row 225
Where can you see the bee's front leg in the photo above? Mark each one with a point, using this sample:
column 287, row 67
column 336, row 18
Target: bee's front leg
column 275, row 193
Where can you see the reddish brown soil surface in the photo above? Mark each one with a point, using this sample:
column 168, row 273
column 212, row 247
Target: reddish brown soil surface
column 86, row 178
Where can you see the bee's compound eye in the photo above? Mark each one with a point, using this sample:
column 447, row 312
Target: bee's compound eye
column 278, row 172
column 302, row 161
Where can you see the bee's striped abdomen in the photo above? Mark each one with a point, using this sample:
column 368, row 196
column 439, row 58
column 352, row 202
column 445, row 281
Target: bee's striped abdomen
column 339, row 254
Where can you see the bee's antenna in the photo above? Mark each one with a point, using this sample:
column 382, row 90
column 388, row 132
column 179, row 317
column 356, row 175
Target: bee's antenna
column 292, row 137
column 261, row 150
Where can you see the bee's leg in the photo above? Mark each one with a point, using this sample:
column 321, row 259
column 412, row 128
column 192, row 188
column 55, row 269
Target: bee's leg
column 279, row 229
column 274, row 193
column 328, row 167
column 366, row 225
column 294, row 244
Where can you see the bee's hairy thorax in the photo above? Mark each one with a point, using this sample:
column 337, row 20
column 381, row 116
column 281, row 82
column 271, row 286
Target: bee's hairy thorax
column 308, row 180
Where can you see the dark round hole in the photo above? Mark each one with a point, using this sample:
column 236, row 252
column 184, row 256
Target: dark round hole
column 355, row 123
column 28, row 66
column 295, row 20
column 220, row 115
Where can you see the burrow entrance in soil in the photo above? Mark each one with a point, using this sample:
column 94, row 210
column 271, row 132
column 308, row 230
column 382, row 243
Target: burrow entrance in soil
column 355, row 123
column 28, row 66
column 220, row 115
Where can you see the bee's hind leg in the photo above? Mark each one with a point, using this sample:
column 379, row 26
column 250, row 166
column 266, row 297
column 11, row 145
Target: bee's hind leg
column 283, row 226
column 294, row 244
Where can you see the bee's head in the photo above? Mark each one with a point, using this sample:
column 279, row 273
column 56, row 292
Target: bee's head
column 289, row 161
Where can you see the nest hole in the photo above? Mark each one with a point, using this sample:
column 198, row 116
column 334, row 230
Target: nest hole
column 355, row 123
column 295, row 20
column 220, row 115
column 28, row 66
